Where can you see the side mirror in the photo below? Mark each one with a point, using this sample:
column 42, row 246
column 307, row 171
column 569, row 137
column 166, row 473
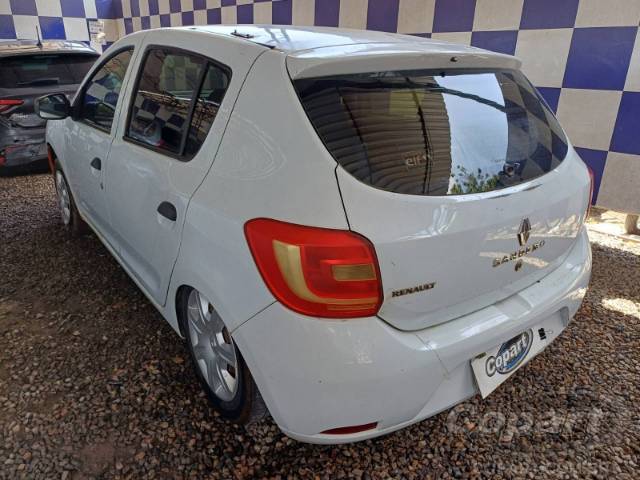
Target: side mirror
column 53, row 107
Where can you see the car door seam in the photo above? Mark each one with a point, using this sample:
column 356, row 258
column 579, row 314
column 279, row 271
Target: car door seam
column 195, row 190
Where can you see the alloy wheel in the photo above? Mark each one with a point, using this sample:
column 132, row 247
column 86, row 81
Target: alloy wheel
column 64, row 198
column 213, row 347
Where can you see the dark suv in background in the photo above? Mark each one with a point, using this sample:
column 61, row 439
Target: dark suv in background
column 30, row 69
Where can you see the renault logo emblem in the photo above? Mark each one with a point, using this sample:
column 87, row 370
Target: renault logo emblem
column 524, row 232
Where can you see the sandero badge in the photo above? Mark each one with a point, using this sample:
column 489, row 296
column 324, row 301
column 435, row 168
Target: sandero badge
column 510, row 355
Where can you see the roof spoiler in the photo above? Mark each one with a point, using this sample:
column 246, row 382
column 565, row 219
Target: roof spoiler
column 371, row 57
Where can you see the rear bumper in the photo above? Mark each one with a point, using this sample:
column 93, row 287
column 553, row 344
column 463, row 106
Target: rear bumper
column 317, row 374
column 21, row 146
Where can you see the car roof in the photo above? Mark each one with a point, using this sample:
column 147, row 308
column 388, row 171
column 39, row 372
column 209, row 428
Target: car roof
column 294, row 39
column 21, row 47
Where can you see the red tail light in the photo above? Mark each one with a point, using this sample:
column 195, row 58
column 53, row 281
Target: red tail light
column 316, row 271
column 7, row 103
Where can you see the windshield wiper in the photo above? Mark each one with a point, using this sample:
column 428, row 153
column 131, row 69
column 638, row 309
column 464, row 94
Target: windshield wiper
column 39, row 81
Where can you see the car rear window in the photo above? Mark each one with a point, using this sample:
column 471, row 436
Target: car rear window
column 44, row 69
column 435, row 132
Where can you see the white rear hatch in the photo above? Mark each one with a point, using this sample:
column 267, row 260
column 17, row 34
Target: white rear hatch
column 452, row 165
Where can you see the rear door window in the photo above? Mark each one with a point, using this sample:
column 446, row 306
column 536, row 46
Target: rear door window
column 44, row 69
column 438, row 132
column 175, row 102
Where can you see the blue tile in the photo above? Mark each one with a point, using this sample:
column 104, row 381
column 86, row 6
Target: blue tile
column 626, row 134
column 245, row 13
column 541, row 14
column 382, row 15
column 214, row 16
column 128, row 25
column 23, row 7
column 596, row 160
column 117, row 9
column 599, row 57
column 187, row 18
column 551, row 96
column 499, row 41
column 73, row 8
column 52, row 28
column 154, row 8
column 7, row 28
column 104, row 9
column 165, row 20
column 174, row 6
column 228, row 3
column 135, row 7
column 199, row 4
column 327, row 13
column 454, row 15
column 145, row 22
column 281, row 12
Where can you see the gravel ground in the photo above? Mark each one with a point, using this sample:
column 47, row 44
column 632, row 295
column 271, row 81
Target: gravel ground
column 94, row 384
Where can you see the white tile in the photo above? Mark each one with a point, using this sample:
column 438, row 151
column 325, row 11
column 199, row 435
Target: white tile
column 462, row 38
column 244, row 2
column 126, row 8
column 589, row 116
column 163, row 7
column 154, row 21
column 214, row 3
column 229, row 15
column 353, row 14
column 200, row 17
column 497, row 15
column 144, row 8
column 262, row 13
column 608, row 13
column 49, row 8
column 619, row 186
column 25, row 26
column 303, row 12
column 175, row 19
column 137, row 24
column 5, row 8
column 544, row 55
column 75, row 28
column 111, row 30
column 121, row 30
column 90, row 8
column 186, row 5
column 416, row 16
column 633, row 76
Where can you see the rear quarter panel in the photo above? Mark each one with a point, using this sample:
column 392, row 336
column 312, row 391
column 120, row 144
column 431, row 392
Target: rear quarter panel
column 270, row 164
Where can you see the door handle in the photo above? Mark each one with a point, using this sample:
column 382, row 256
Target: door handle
column 96, row 163
column 168, row 211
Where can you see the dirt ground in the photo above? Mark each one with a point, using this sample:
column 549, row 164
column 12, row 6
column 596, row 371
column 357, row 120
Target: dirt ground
column 94, row 384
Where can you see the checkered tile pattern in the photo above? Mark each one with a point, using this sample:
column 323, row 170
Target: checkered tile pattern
column 583, row 55
column 58, row 19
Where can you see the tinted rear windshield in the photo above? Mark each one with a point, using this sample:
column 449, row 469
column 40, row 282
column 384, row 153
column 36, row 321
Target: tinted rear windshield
column 432, row 132
column 42, row 70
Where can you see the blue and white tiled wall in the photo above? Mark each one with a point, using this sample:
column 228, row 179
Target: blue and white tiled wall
column 58, row 19
column 583, row 55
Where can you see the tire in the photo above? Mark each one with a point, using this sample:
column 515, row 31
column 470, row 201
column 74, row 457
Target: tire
column 69, row 214
column 631, row 225
column 219, row 366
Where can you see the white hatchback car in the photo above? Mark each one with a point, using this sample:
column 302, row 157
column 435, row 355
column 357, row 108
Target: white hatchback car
column 357, row 229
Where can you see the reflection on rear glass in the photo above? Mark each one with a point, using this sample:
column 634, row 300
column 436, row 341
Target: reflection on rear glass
column 435, row 132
